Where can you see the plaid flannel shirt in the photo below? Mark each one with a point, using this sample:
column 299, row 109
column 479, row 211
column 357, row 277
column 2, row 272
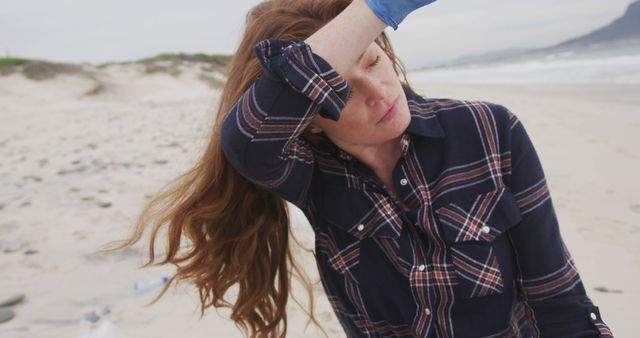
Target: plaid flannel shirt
column 469, row 248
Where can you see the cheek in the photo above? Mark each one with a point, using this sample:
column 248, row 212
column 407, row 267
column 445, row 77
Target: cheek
column 352, row 114
column 352, row 123
column 407, row 117
column 388, row 65
column 404, row 118
column 345, row 122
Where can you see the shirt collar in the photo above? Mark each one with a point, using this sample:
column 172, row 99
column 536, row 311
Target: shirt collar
column 424, row 121
column 344, row 155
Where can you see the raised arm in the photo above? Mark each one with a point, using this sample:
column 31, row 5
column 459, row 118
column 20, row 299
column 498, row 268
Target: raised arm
column 364, row 20
column 342, row 50
column 261, row 136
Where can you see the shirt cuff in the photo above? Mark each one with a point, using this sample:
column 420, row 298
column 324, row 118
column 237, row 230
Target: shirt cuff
column 594, row 315
column 306, row 72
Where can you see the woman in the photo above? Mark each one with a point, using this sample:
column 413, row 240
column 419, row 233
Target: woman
column 432, row 216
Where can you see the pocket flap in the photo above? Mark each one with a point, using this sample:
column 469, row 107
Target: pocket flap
column 480, row 218
column 361, row 214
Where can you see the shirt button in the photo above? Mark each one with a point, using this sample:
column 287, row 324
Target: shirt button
column 360, row 227
column 485, row 229
column 427, row 311
column 421, row 267
column 593, row 316
column 403, row 181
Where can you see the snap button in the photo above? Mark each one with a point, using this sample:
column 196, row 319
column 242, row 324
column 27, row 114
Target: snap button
column 427, row 311
column 593, row 316
column 360, row 227
column 485, row 229
column 403, row 181
column 421, row 267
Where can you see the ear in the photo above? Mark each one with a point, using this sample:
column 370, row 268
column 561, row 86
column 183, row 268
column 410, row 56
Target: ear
column 314, row 129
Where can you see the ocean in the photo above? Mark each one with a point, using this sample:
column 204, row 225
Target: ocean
column 603, row 64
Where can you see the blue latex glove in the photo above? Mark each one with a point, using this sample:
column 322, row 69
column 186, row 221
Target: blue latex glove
column 392, row 12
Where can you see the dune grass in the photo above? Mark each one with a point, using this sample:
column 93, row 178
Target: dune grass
column 14, row 61
column 199, row 57
column 218, row 58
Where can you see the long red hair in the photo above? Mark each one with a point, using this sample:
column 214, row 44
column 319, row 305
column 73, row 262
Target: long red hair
column 238, row 233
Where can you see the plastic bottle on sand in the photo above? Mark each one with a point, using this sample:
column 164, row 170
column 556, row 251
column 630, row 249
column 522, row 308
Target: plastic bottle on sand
column 149, row 285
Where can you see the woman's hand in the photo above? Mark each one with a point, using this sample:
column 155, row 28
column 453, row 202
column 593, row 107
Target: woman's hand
column 392, row 12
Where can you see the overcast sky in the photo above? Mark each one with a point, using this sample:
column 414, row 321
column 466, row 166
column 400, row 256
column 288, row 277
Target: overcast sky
column 118, row 30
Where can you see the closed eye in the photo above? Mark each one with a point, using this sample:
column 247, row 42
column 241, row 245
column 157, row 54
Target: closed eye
column 376, row 61
column 373, row 64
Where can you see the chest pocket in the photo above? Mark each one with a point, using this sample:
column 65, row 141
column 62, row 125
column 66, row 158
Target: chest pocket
column 470, row 228
column 362, row 214
column 349, row 217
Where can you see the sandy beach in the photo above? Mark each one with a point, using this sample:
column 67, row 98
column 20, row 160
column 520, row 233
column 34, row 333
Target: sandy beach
column 81, row 156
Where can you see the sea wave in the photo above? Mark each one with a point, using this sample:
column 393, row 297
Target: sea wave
column 588, row 66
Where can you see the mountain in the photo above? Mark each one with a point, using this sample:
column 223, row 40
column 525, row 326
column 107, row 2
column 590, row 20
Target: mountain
column 620, row 32
column 626, row 27
column 493, row 55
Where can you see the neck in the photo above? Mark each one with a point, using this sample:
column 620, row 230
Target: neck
column 381, row 158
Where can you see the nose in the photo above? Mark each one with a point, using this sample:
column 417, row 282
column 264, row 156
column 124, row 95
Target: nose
column 375, row 90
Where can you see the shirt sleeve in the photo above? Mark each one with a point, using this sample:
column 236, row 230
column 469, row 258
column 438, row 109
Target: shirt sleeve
column 548, row 279
column 262, row 134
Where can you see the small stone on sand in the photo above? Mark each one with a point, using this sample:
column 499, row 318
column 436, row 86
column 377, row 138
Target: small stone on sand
column 92, row 317
column 6, row 314
column 606, row 290
column 11, row 246
column 11, row 299
column 104, row 204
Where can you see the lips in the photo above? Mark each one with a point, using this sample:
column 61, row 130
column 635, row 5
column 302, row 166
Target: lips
column 390, row 112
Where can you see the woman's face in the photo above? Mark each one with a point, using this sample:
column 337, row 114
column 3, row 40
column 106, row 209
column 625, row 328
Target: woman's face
column 367, row 120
